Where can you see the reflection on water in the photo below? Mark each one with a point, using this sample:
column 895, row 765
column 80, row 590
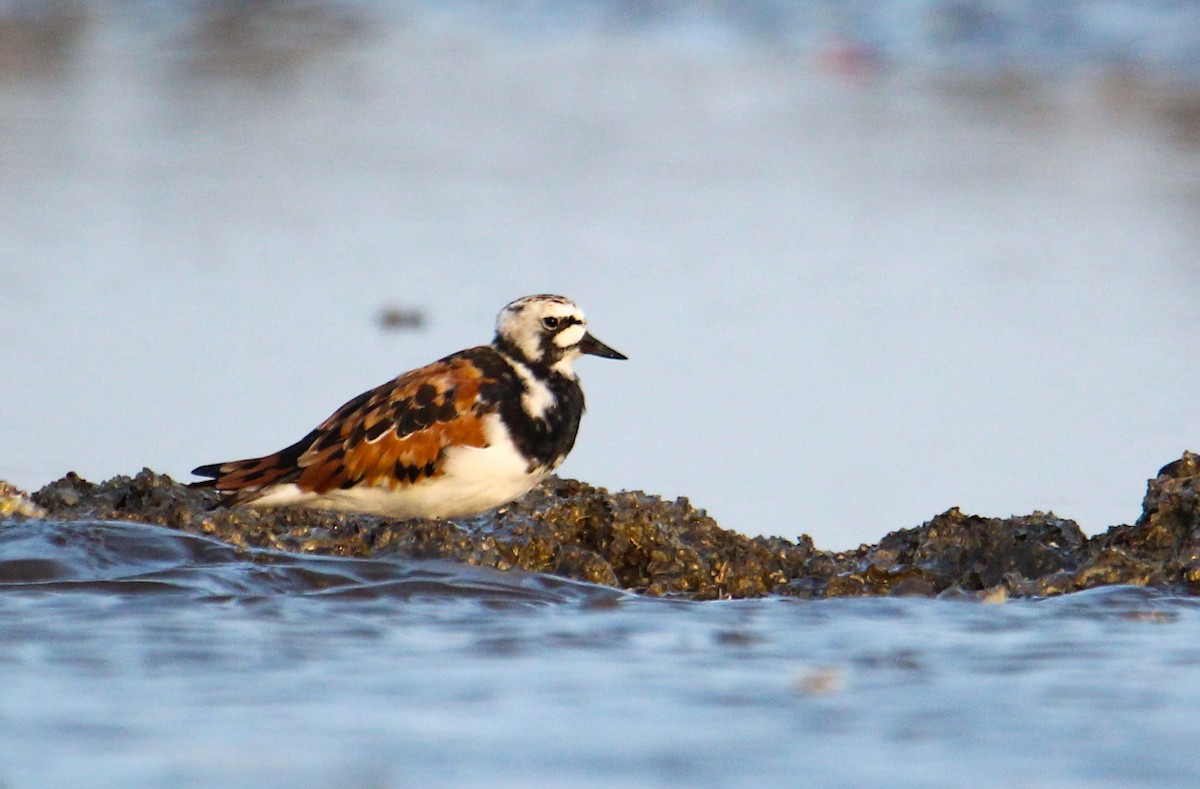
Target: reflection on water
column 871, row 260
column 150, row 658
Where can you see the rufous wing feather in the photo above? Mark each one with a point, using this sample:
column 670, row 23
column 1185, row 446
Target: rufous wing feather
column 395, row 435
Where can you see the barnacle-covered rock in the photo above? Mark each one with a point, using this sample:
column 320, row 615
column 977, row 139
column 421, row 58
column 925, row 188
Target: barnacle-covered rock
column 647, row 544
column 563, row 527
column 1163, row 547
column 959, row 550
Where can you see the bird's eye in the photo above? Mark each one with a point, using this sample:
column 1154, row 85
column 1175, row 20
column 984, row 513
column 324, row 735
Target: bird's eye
column 550, row 322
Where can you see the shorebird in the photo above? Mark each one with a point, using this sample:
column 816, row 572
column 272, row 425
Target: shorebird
column 468, row 433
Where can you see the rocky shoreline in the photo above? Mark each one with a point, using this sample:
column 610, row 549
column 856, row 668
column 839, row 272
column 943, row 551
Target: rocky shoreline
column 644, row 544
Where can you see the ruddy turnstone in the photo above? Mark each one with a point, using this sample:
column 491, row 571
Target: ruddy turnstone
column 470, row 432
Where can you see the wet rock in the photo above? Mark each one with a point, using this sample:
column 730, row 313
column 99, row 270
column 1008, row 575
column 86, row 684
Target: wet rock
column 643, row 543
column 14, row 501
column 564, row 527
column 1163, row 547
column 959, row 550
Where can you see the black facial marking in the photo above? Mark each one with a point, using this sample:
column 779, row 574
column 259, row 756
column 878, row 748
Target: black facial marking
column 550, row 353
column 555, row 324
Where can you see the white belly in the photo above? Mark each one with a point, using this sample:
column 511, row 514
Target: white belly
column 473, row 480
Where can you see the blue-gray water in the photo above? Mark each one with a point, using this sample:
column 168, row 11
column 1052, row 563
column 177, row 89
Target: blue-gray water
column 843, row 251
column 133, row 656
column 869, row 259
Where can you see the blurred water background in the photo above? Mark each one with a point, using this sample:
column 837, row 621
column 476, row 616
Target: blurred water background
column 870, row 260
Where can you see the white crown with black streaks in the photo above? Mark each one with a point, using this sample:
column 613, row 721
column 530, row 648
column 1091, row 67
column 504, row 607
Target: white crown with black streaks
column 549, row 332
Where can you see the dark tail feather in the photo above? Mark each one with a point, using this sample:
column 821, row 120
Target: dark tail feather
column 228, row 498
column 211, row 470
column 243, row 480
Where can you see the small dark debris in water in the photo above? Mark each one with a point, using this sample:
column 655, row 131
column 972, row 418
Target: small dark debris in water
column 401, row 318
column 737, row 638
column 642, row 543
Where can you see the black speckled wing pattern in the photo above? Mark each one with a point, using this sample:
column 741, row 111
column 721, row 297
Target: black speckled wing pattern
column 392, row 436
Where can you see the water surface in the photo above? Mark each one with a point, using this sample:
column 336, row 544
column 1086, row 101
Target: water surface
column 869, row 260
column 136, row 656
column 862, row 274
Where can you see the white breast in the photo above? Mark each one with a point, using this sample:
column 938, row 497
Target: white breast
column 473, row 480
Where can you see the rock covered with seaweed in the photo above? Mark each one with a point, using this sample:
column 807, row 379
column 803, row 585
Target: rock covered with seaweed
column 646, row 544
column 628, row 540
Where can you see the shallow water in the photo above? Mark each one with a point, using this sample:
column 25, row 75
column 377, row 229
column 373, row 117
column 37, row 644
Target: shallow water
column 137, row 656
column 869, row 260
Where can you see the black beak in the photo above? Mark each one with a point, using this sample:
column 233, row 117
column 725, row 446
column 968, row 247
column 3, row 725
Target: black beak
column 590, row 345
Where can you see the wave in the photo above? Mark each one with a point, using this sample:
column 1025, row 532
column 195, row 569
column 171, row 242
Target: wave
column 139, row 559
